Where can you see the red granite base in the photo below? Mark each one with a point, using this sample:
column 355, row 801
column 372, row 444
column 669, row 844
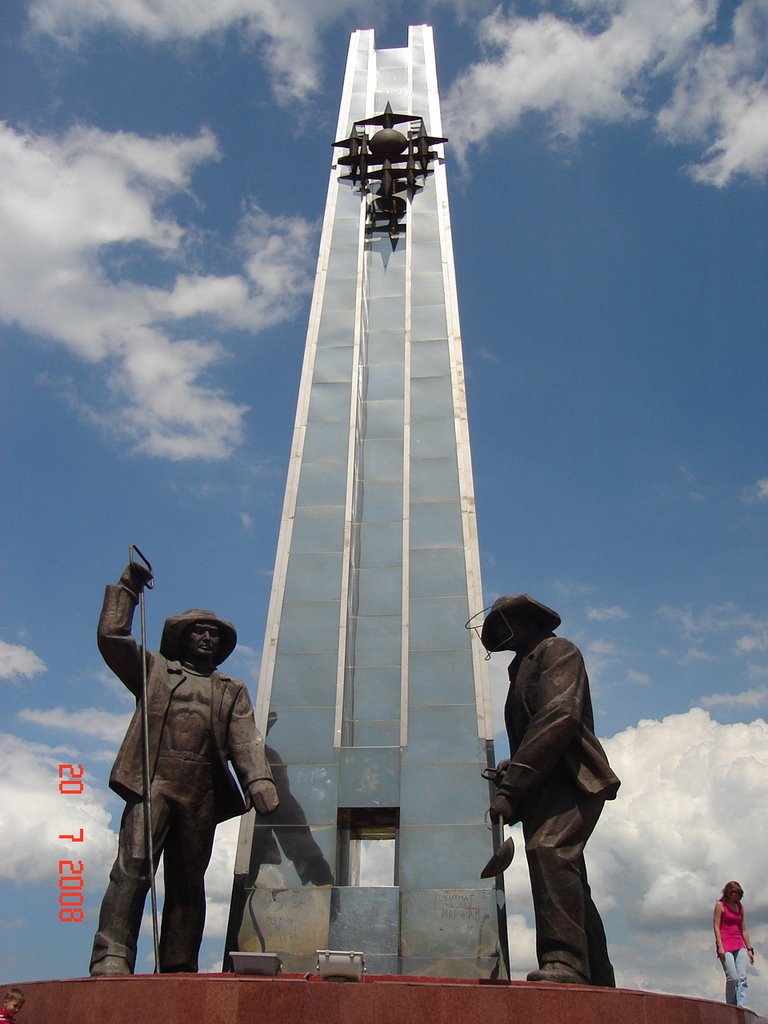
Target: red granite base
column 290, row 999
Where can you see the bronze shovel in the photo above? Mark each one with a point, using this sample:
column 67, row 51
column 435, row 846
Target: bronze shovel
column 500, row 861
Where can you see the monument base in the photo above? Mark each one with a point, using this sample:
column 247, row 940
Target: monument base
column 292, row 999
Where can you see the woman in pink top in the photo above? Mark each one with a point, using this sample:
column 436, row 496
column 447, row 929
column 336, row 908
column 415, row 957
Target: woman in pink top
column 732, row 943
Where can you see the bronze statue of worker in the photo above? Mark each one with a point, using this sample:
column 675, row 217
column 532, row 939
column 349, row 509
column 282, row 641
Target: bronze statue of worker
column 555, row 782
column 198, row 720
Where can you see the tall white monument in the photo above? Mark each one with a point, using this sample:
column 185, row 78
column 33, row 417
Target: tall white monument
column 374, row 695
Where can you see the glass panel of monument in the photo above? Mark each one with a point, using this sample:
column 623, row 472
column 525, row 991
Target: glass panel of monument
column 445, row 922
column 430, row 439
column 329, row 403
column 379, row 591
column 305, row 680
column 428, row 322
column 313, row 789
column 387, row 286
column 434, row 674
column 309, row 627
column 384, row 346
column 434, row 478
column 435, row 524
column 444, row 856
column 443, row 735
column 381, row 544
column 340, row 294
column 426, row 253
column 322, row 483
column 385, row 381
column 367, row 919
column 442, row 794
column 430, row 359
column 376, row 640
column 313, row 576
column 438, row 623
column 334, row 329
column 431, row 396
column 385, row 314
column 425, row 225
column 376, row 732
column 382, row 501
column 385, row 418
column 333, row 364
column 438, row 572
column 326, row 442
column 382, row 459
column 318, row 529
column 376, row 692
column 428, row 288
column 304, row 735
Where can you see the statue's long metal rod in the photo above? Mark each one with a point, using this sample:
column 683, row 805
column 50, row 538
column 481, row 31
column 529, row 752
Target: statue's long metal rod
column 147, row 799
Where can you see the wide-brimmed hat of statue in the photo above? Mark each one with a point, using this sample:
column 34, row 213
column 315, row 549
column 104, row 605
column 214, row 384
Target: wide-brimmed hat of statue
column 172, row 643
column 511, row 608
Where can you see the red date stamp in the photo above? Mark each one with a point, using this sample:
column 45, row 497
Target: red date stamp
column 71, row 871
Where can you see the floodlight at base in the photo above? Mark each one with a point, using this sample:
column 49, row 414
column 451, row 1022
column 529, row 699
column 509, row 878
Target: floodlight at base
column 335, row 963
column 256, row 963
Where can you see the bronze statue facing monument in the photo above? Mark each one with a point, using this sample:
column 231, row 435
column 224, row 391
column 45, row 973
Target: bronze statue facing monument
column 555, row 782
column 197, row 719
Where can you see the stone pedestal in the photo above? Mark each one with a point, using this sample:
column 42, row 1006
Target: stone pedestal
column 290, row 999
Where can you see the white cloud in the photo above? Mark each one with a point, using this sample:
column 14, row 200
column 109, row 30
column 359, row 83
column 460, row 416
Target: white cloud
column 16, row 660
column 33, row 814
column 102, row 725
column 685, row 820
column 598, row 656
column 755, row 698
column 758, row 491
column 609, row 613
column 287, row 35
column 638, row 678
column 749, row 643
column 70, row 204
column 603, row 63
column 721, row 93
column 713, row 623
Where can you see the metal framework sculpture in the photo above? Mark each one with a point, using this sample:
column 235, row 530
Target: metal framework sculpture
column 398, row 160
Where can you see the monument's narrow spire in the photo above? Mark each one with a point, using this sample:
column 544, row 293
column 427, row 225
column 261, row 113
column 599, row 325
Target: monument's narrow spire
column 374, row 695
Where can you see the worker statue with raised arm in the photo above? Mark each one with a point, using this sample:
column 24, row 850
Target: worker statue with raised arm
column 555, row 782
column 199, row 722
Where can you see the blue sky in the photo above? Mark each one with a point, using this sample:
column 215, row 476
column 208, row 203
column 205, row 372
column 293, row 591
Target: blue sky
column 163, row 170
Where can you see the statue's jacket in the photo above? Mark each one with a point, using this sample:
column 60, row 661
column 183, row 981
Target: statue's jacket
column 234, row 734
column 550, row 723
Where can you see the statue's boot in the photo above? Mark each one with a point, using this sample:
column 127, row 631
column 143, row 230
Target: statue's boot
column 110, row 965
column 558, row 973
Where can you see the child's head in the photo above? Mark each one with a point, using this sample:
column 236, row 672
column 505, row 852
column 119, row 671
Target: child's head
column 13, row 1001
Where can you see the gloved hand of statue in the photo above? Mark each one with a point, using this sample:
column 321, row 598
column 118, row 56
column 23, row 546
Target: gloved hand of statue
column 135, row 577
column 502, row 809
column 264, row 796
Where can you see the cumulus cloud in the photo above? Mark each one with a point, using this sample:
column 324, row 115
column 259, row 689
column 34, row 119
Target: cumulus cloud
column 616, row 62
column 685, row 820
column 16, row 660
column 72, row 203
column 33, row 814
column 287, row 35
